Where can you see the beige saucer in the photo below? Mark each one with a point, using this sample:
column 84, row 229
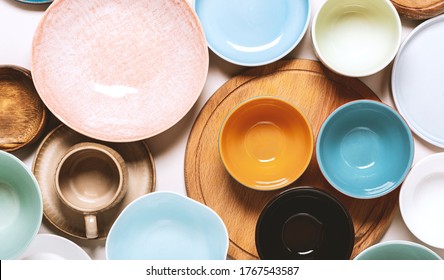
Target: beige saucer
column 141, row 179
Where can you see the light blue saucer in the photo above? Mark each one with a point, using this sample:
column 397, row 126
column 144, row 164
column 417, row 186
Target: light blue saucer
column 253, row 32
column 365, row 149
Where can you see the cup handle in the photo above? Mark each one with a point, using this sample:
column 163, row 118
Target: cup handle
column 91, row 226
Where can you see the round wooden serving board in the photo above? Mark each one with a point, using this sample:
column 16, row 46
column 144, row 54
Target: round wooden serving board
column 415, row 9
column 314, row 90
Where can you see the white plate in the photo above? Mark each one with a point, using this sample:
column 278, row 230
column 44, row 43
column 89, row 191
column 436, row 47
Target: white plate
column 421, row 200
column 418, row 80
column 119, row 70
column 53, row 247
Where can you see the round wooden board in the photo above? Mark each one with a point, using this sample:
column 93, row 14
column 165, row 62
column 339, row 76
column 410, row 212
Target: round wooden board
column 415, row 9
column 314, row 90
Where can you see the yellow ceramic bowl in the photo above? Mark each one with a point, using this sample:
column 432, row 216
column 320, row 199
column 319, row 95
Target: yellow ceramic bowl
column 266, row 143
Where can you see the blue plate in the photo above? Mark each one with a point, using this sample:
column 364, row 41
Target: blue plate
column 167, row 226
column 253, row 32
column 35, row 1
column 365, row 149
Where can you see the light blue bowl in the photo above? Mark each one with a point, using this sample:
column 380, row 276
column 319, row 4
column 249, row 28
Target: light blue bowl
column 365, row 149
column 21, row 207
column 397, row 250
column 253, row 32
column 167, row 226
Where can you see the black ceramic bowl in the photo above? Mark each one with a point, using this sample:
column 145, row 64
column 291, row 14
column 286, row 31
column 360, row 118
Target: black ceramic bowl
column 304, row 224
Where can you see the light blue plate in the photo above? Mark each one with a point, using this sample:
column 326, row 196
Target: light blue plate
column 253, row 32
column 167, row 226
column 365, row 149
column 35, row 1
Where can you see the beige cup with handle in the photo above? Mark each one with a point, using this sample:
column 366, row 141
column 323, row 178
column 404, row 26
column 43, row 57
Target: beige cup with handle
column 91, row 178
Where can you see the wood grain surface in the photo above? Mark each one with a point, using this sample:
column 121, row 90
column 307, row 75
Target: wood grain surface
column 22, row 112
column 316, row 91
column 419, row 9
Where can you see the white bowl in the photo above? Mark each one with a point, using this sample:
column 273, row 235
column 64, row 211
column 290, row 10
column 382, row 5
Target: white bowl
column 356, row 37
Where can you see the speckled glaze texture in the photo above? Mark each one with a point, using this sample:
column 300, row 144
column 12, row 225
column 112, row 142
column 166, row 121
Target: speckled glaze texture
column 119, row 70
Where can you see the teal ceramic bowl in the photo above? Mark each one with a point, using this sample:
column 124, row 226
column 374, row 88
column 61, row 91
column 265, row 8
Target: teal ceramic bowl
column 253, row 32
column 397, row 250
column 21, row 207
column 365, row 149
column 167, row 226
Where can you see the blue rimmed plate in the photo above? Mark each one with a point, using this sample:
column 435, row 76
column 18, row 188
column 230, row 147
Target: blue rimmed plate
column 35, row 1
column 253, row 32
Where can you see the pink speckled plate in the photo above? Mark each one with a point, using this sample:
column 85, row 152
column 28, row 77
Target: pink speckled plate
column 119, row 70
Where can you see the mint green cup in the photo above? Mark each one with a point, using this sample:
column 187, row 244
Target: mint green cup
column 356, row 38
column 397, row 250
column 21, row 207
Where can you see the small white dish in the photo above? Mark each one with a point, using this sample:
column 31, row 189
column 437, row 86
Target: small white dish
column 53, row 247
column 417, row 80
column 421, row 200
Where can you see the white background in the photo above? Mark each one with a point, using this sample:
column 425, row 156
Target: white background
column 17, row 26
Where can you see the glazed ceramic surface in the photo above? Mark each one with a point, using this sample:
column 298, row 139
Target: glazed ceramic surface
column 365, row 149
column 417, row 80
column 397, row 250
column 253, row 32
column 119, row 70
column 304, row 223
column 91, row 177
column 20, row 206
column 35, row 1
column 266, row 143
column 356, row 37
column 166, row 225
column 53, row 247
column 420, row 200
column 22, row 112
column 141, row 180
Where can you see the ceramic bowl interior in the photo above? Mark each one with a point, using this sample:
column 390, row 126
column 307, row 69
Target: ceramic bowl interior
column 166, row 226
column 397, row 250
column 266, row 143
column 91, row 177
column 421, row 200
column 21, row 207
column 253, row 32
column 356, row 37
column 304, row 223
column 365, row 149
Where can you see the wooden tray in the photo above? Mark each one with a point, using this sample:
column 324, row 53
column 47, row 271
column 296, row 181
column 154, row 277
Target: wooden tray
column 317, row 92
column 415, row 9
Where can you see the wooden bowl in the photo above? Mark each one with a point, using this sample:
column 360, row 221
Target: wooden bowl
column 22, row 112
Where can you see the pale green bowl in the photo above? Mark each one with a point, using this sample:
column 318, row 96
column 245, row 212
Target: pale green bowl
column 397, row 250
column 21, row 207
column 356, row 37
